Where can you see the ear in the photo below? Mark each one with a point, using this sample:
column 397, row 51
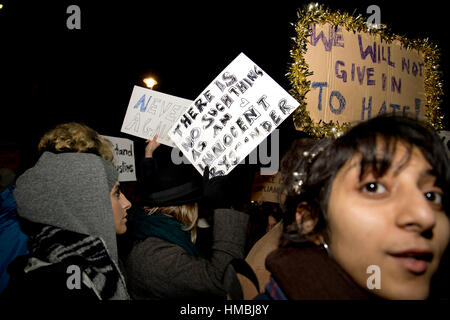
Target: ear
column 306, row 218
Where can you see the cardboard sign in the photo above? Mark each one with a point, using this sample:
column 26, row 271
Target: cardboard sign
column 357, row 76
column 150, row 112
column 266, row 188
column 234, row 114
column 445, row 135
column 123, row 158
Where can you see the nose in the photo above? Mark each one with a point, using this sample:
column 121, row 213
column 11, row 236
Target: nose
column 416, row 213
column 124, row 202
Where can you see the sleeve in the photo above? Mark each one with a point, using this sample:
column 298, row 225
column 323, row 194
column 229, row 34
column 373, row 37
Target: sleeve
column 149, row 168
column 169, row 272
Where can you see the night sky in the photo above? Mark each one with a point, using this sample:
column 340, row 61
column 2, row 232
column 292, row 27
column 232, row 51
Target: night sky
column 50, row 74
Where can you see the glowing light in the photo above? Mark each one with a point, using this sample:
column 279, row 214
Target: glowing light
column 150, row 82
column 1, row 6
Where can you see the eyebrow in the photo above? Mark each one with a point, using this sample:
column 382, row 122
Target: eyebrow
column 430, row 173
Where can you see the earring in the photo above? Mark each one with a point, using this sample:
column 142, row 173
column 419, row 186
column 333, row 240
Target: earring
column 325, row 246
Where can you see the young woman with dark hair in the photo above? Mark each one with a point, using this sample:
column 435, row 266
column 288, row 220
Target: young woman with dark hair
column 366, row 215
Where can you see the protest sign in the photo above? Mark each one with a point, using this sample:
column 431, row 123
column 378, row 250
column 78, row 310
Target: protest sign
column 151, row 112
column 234, row 114
column 344, row 72
column 357, row 76
column 266, row 188
column 123, row 158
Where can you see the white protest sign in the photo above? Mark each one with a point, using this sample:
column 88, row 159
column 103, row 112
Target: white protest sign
column 232, row 116
column 151, row 112
column 123, row 158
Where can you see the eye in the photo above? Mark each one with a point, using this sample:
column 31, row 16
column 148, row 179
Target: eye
column 434, row 197
column 373, row 187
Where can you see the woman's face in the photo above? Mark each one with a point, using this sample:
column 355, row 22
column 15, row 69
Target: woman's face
column 120, row 205
column 395, row 222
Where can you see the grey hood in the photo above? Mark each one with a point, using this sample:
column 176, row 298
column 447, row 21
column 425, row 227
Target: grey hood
column 70, row 191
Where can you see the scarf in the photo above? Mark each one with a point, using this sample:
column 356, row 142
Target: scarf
column 55, row 245
column 163, row 227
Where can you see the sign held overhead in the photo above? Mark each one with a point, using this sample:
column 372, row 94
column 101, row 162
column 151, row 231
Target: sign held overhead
column 234, row 114
column 151, row 112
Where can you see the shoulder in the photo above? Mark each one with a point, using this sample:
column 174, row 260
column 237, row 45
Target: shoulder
column 264, row 246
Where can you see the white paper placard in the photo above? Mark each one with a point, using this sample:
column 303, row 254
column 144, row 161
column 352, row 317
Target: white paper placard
column 151, row 112
column 231, row 117
column 123, row 158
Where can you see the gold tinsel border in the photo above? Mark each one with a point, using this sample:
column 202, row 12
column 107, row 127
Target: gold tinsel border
column 299, row 72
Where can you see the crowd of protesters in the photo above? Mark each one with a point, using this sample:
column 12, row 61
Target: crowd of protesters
column 375, row 197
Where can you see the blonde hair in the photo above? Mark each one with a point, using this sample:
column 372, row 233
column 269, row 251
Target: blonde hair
column 76, row 137
column 187, row 214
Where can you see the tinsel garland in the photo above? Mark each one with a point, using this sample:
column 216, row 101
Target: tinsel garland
column 298, row 70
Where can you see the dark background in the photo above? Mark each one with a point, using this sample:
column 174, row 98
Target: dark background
column 50, row 74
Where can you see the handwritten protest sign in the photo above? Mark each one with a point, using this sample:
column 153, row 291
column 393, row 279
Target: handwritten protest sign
column 123, row 158
column 266, row 188
column 234, row 114
column 357, row 76
column 151, row 112
column 344, row 71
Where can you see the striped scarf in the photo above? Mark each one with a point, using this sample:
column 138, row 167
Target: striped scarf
column 55, row 245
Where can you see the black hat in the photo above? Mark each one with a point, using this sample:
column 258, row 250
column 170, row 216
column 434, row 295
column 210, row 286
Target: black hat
column 172, row 184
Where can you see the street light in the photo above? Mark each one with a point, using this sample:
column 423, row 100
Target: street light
column 150, row 82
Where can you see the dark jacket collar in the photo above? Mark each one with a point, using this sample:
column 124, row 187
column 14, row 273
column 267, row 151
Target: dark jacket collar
column 308, row 273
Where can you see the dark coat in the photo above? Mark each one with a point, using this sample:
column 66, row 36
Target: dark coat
column 157, row 269
column 308, row 273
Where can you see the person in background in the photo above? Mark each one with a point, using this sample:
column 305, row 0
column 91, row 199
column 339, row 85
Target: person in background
column 165, row 263
column 377, row 197
column 13, row 242
column 70, row 205
column 258, row 253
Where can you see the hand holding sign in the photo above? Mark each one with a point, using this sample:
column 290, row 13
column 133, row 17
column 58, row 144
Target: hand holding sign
column 151, row 146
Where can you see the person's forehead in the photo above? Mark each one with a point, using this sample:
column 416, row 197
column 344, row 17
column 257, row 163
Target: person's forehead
column 403, row 156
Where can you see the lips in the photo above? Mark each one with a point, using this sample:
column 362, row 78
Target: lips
column 415, row 260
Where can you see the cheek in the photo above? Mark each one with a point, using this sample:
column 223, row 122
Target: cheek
column 357, row 234
column 442, row 233
column 117, row 210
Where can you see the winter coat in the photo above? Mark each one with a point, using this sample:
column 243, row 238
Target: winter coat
column 308, row 273
column 13, row 242
column 158, row 269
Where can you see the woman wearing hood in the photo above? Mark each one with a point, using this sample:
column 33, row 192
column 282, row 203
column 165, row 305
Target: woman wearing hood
column 71, row 207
